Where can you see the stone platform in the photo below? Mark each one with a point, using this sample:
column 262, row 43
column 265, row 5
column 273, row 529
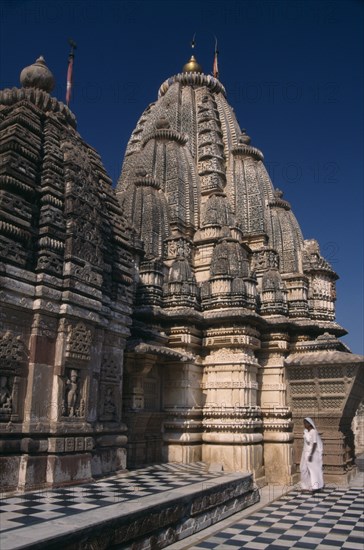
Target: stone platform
column 149, row 508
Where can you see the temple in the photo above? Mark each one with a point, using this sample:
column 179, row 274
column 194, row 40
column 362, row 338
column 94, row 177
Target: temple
column 179, row 317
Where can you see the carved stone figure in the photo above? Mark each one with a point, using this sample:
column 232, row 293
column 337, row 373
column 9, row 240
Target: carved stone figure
column 5, row 395
column 72, row 394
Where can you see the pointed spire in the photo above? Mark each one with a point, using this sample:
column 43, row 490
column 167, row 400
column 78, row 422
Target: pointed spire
column 70, row 71
column 215, row 68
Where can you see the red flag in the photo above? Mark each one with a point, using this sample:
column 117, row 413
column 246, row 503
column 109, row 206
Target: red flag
column 70, row 71
column 215, row 68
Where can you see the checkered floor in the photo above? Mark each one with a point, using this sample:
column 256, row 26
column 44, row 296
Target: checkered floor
column 329, row 520
column 41, row 506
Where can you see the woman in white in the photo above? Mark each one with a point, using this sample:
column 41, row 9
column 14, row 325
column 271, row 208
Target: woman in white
column 311, row 461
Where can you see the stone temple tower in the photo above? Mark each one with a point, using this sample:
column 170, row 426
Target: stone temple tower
column 66, row 273
column 179, row 317
column 234, row 335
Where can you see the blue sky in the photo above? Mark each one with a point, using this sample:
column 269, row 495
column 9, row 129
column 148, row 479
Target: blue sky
column 293, row 71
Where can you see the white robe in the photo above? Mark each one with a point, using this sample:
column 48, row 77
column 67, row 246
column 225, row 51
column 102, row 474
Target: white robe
column 311, row 472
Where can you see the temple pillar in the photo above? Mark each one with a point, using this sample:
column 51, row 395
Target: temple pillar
column 182, row 397
column 277, row 424
column 231, row 415
column 182, row 404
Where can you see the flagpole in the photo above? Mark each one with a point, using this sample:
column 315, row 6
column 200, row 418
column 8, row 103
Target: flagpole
column 70, row 71
column 215, row 68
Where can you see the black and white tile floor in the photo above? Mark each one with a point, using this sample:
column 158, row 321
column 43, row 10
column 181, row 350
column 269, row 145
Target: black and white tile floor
column 38, row 507
column 329, row 520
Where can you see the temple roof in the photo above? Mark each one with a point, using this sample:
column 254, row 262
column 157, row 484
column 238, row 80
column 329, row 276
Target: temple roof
column 204, row 180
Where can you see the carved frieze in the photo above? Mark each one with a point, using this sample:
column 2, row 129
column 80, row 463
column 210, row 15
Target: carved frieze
column 180, row 247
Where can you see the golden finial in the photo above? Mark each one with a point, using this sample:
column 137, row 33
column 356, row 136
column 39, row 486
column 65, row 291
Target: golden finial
column 192, row 66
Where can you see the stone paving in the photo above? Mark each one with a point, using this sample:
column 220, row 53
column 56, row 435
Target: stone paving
column 143, row 504
column 329, row 520
column 36, row 508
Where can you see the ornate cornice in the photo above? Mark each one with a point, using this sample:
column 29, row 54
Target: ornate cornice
column 146, row 181
column 243, row 150
column 40, row 99
column 193, row 79
column 166, row 134
column 280, row 203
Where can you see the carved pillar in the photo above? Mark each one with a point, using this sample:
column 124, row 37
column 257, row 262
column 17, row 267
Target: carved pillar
column 277, row 424
column 182, row 429
column 182, row 403
column 38, row 398
column 231, row 416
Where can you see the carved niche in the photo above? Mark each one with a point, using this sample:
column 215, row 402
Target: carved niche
column 110, row 380
column 75, row 378
column 73, row 405
column 13, row 360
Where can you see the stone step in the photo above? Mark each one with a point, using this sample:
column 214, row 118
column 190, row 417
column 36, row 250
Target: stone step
column 149, row 522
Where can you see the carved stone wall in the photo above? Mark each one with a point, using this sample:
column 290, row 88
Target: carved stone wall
column 66, row 268
column 326, row 385
column 182, row 317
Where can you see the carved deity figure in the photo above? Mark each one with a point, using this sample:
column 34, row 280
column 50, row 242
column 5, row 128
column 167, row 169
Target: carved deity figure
column 72, row 394
column 5, row 395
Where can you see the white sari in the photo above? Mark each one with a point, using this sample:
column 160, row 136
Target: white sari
column 311, row 471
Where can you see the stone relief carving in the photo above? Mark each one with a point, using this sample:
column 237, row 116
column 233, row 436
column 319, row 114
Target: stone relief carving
column 79, row 342
column 178, row 248
column 73, row 403
column 109, row 410
column 12, row 351
column 110, row 369
column 265, row 259
column 49, row 261
column 6, row 388
column 13, row 357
